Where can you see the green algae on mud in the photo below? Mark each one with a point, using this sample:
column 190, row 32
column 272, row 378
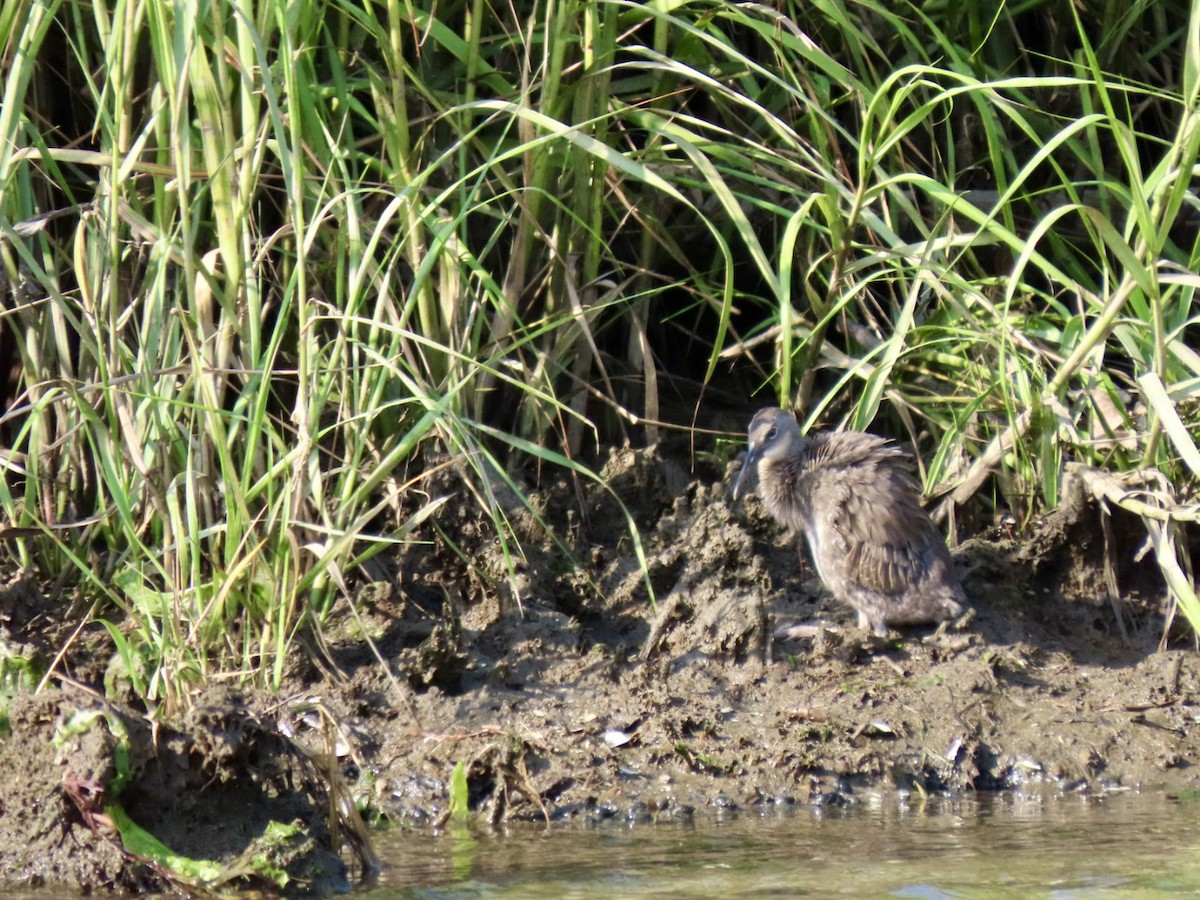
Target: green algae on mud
column 97, row 799
column 567, row 695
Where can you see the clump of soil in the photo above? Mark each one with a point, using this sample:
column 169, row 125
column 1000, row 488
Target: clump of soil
column 595, row 672
column 73, row 763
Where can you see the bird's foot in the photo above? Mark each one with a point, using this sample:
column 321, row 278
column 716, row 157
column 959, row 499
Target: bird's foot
column 880, row 641
column 959, row 624
column 805, row 631
column 826, row 640
column 952, row 636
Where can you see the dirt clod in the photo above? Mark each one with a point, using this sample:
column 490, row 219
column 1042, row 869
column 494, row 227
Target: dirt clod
column 74, row 764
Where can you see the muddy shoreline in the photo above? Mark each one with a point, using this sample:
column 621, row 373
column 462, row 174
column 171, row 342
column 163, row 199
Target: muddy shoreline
column 570, row 696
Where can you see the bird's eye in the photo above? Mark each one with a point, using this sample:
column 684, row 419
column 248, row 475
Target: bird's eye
column 773, row 433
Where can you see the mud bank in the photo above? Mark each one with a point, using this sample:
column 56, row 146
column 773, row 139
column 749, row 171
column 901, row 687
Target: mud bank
column 569, row 695
column 590, row 707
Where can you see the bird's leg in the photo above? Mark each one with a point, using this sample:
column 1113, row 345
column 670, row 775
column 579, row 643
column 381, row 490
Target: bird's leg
column 802, row 558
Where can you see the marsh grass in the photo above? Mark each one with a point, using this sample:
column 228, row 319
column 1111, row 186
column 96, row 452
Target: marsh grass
column 266, row 264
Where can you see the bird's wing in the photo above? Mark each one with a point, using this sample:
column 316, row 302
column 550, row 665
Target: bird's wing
column 882, row 532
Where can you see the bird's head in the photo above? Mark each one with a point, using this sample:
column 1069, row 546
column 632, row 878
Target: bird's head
column 773, row 435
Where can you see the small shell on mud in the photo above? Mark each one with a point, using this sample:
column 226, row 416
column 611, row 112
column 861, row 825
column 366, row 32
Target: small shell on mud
column 953, row 750
column 614, row 737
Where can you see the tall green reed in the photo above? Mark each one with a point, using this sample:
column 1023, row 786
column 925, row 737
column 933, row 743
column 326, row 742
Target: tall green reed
column 269, row 259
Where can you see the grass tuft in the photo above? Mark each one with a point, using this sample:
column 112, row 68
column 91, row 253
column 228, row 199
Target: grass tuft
column 265, row 267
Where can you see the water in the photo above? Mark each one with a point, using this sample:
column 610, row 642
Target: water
column 1122, row 846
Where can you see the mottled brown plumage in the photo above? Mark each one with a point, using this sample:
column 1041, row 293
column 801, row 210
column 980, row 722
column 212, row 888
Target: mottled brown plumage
column 854, row 498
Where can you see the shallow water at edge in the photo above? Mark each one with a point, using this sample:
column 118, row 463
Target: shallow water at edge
column 1123, row 845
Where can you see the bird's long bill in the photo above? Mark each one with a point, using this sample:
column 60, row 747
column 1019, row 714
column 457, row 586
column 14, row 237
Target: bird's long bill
column 747, row 475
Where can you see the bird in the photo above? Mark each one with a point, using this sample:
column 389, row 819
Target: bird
column 854, row 497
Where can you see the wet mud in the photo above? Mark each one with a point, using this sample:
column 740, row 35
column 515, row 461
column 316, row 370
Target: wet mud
column 587, row 674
